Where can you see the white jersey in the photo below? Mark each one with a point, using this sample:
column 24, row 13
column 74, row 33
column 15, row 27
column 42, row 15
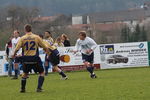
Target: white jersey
column 14, row 43
column 84, row 45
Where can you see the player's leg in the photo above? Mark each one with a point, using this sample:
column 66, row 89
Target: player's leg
column 26, row 68
column 88, row 62
column 23, row 82
column 16, row 67
column 40, row 81
column 40, row 69
column 54, row 58
column 63, row 75
column 10, row 65
column 46, row 65
column 16, row 70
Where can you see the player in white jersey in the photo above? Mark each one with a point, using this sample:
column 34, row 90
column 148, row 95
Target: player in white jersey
column 14, row 43
column 87, row 46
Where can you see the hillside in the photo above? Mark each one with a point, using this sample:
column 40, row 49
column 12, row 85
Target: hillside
column 51, row 7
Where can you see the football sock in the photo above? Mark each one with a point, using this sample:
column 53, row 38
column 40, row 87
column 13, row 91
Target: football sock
column 16, row 72
column 40, row 81
column 46, row 69
column 23, row 83
column 90, row 69
column 62, row 74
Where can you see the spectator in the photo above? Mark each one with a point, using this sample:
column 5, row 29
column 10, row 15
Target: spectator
column 65, row 40
column 58, row 42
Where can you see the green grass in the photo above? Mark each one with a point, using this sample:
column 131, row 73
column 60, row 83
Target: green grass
column 120, row 84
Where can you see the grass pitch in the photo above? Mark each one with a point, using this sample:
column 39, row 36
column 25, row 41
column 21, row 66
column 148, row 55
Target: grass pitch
column 120, row 84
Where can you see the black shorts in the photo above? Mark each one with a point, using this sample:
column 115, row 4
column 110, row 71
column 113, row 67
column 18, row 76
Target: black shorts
column 54, row 57
column 18, row 59
column 88, row 58
column 32, row 62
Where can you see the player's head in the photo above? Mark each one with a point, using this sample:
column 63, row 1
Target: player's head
column 16, row 33
column 82, row 35
column 27, row 28
column 64, row 37
column 47, row 34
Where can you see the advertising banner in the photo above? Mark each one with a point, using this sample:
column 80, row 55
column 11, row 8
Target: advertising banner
column 106, row 56
column 123, row 55
column 76, row 62
column 2, row 62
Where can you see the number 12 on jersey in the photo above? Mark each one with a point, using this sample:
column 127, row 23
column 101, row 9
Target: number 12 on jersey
column 30, row 45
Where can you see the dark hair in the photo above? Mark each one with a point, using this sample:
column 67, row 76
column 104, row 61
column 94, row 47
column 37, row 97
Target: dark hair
column 28, row 28
column 17, row 31
column 82, row 33
column 48, row 32
column 41, row 36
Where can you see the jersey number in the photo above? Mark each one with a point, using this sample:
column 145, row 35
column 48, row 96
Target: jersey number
column 30, row 45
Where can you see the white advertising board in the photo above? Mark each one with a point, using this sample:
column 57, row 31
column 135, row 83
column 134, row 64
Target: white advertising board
column 123, row 55
column 2, row 62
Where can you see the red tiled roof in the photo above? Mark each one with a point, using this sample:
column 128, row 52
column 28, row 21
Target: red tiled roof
column 46, row 18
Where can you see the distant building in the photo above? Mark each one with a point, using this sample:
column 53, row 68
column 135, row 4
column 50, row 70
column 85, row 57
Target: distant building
column 77, row 20
column 80, row 20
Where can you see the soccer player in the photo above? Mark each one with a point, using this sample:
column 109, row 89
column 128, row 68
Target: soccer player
column 14, row 43
column 8, row 49
column 53, row 58
column 87, row 46
column 30, row 56
column 49, row 39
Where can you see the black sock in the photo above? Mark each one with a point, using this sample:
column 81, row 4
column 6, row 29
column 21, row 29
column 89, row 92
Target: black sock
column 16, row 72
column 40, row 81
column 90, row 69
column 46, row 69
column 62, row 74
column 23, row 83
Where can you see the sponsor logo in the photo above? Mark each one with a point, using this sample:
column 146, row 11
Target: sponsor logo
column 141, row 45
column 107, row 49
column 68, row 50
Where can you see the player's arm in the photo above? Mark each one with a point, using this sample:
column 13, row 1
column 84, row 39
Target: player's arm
column 41, row 44
column 77, row 47
column 93, row 44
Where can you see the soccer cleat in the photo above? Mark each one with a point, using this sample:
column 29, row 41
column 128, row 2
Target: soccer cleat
column 39, row 90
column 22, row 91
column 64, row 78
column 93, row 76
